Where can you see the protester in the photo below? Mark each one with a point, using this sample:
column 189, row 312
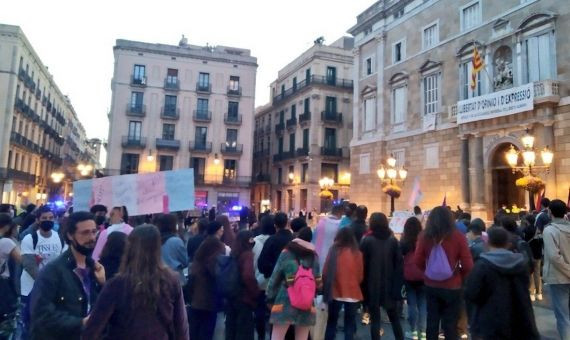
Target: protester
column 556, row 270
column 297, row 224
column 229, row 235
column 195, row 241
column 274, row 245
column 100, row 213
column 383, row 274
column 112, row 254
column 516, row 242
column 543, row 218
column 29, row 210
column 443, row 279
column 342, row 275
column 239, row 315
column 9, row 250
column 117, row 224
column 325, row 232
column 299, row 253
column 261, row 311
column 359, row 226
column 533, row 236
column 348, row 218
column 173, row 251
column 67, row 287
column 463, row 221
column 414, row 280
column 475, row 238
column 144, row 301
column 497, row 289
column 205, row 304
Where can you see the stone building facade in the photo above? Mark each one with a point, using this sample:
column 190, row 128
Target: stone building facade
column 185, row 106
column 412, row 69
column 303, row 134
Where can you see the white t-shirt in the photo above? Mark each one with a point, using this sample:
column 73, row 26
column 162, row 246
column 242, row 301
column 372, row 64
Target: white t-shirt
column 46, row 250
column 6, row 247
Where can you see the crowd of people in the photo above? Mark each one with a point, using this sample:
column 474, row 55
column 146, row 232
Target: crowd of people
column 92, row 275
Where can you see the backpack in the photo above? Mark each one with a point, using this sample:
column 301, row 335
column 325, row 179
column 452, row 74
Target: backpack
column 437, row 267
column 35, row 240
column 227, row 277
column 302, row 291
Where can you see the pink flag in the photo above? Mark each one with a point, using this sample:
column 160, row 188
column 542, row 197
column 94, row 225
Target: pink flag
column 444, row 204
column 416, row 195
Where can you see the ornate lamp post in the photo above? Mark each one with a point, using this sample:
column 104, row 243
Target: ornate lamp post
column 84, row 169
column 389, row 176
column 530, row 171
column 326, row 184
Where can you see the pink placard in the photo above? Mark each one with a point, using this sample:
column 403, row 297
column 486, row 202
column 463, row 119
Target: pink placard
column 102, row 191
column 150, row 192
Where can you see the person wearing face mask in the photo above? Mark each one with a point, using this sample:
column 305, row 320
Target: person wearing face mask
column 99, row 212
column 117, row 223
column 67, row 288
column 39, row 248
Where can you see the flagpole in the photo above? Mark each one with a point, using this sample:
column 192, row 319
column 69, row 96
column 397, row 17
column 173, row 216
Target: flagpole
column 484, row 67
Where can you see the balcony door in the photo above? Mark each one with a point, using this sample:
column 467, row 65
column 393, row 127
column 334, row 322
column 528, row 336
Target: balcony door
column 135, row 130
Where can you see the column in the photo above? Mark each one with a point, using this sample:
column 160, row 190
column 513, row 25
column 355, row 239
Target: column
column 355, row 94
column 380, row 42
column 465, row 189
column 477, row 175
column 550, row 179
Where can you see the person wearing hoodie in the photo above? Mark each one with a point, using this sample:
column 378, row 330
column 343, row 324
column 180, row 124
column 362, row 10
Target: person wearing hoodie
column 300, row 251
column 173, row 251
column 475, row 238
column 556, row 270
column 348, row 218
column 383, row 274
column 497, row 290
column 359, row 226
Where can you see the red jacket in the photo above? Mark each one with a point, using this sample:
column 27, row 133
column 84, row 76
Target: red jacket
column 411, row 271
column 458, row 254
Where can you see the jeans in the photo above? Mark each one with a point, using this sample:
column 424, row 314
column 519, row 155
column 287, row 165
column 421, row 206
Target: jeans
column 535, row 279
column 202, row 323
column 394, row 320
column 261, row 316
column 349, row 319
column 560, row 295
column 417, row 309
column 23, row 326
column 443, row 305
column 239, row 321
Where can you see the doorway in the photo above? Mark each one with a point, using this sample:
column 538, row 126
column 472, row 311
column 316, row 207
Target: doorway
column 505, row 193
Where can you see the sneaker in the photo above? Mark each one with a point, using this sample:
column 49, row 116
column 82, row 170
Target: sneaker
column 539, row 297
column 532, row 297
column 365, row 318
column 423, row 336
column 464, row 336
column 412, row 335
column 441, row 336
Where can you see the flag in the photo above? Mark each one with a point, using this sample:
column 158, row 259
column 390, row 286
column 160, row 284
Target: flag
column 444, row 204
column 539, row 200
column 477, row 65
column 416, row 195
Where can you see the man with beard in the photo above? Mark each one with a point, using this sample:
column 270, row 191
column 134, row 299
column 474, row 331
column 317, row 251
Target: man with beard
column 67, row 288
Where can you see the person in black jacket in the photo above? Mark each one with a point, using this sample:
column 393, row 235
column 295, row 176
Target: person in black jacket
column 497, row 289
column 67, row 287
column 195, row 241
column 359, row 226
column 516, row 242
column 274, row 246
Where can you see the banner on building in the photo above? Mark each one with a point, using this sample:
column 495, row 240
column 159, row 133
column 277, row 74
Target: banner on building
column 496, row 104
column 150, row 193
column 429, row 121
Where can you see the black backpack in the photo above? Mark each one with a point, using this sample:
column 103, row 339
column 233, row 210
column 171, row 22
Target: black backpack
column 8, row 294
column 35, row 239
column 227, row 277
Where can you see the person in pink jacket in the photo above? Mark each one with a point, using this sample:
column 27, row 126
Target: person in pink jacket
column 117, row 224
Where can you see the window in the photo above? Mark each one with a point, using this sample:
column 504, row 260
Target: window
column 294, row 83
column 230, row 169
column 330, row 138
column 331, row 75
column 204, row 79
column 306, row 139
column 279, row 175
column 165, row 163
column 172, row 76
column 304, row 171
column 292, row 143
column 231, row 137
column 293, row 111
column 329, row 170
column 430, row 36
column 129, row 163
column 234, row 83
column 368, row 66
column 399, row 104
column 282, row 117
column 168, row 131
column 431, row 93
column 470, row 16
column 466, row 91
column 539, row 58
column 364, row 164
column 282, row 89
column 136, row 102
column 199, row 166
column 431, row 156
column 201, row 133
column 400, row 157
column 139, row 72
column 202, row 106
column 308, row 75
column 330, row 105
column 307, row 106
column 135, row 130
column 369, row 114
column 233, row 109
column 398, row 51
column 169, row 105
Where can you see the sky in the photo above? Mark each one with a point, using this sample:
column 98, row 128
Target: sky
column 75, row 39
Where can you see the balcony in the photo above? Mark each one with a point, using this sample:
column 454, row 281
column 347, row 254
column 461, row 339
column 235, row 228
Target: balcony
column 291, row 123
column 138, row 81
column 24, row 142
column 302, row 152
column 260, row 178
column 204, row 88
column 202, row 116
column 314, row 80
column 137, row 110
column 170, row 112
column 170, row 144
column 331, row 152
column 305, row 117
column 268, row 129
column 17, row 175
column 232, row 119
column 201, row 147
column 133, row 142
column 22, row 75
column 331, row 118
column 232, row 148
column 234, row 92
column 279, row 128
column 171, row 84
column 261, row 153
column 283, row 156
column 38, row 94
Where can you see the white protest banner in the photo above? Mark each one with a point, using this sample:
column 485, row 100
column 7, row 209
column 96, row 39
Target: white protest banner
column 496, row 104
column 150, row 193
column 398, row 220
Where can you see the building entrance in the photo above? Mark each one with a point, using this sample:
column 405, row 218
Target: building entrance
column 505, row 193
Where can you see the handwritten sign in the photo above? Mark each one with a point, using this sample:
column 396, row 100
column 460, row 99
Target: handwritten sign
column 157, row 192
column 398, row 220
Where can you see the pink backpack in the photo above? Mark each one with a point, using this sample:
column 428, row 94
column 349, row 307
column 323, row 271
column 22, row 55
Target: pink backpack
column 302, row 291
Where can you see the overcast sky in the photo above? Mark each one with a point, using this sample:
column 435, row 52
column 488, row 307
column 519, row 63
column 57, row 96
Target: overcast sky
column 75, row 38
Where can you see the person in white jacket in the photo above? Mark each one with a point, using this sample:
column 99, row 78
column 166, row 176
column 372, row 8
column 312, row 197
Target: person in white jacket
column 556, row 270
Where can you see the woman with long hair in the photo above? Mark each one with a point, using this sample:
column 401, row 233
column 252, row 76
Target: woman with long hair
column 342, row 275
column 239, row 314
column 112, row 254
column 443, row 279
column 383, row 274
column 414, row 280
column 144, row 301
column 229, row 235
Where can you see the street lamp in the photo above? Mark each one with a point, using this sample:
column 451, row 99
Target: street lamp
column 326, row 183
column 57, row 176
column 84, row 169
column 389, row 176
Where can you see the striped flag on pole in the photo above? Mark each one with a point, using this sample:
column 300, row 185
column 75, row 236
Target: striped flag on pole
column 444, row 204
column 416, row 195
column 477, row 65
